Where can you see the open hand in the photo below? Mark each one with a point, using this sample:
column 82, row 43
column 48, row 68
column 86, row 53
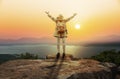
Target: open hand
column 75, row 14
column 46, row 12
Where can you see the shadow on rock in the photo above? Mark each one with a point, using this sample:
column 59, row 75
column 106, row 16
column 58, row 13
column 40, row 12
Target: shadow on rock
column 54, row 69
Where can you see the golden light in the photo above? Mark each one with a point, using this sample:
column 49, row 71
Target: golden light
column 77, row 26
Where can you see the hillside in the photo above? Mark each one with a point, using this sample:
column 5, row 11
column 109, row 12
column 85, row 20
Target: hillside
column 51, row 69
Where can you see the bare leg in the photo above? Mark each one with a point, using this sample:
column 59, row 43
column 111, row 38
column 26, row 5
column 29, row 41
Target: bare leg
column 63, row 43
column 58, row 44
column 58, row 48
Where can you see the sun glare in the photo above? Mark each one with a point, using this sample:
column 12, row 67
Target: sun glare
column 77, row 26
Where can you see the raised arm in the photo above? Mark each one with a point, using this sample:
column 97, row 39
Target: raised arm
column 50, row 16
column 68, row 19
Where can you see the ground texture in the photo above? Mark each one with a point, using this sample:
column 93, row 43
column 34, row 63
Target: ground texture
column 54, row 69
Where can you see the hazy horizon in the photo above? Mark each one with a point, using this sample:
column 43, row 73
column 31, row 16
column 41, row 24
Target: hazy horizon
column 99, row 41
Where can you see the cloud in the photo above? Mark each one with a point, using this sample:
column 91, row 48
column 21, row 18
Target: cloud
column 112, row 40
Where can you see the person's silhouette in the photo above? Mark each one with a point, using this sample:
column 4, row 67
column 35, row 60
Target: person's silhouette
column 60, row 31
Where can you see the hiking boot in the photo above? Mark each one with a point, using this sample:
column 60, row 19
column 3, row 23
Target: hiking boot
column 63, row 56
column 58, row 55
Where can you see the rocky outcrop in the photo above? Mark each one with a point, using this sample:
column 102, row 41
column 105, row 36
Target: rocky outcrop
column 67, row 57
column 118, row 73
column 91, row 75
column 54, row 69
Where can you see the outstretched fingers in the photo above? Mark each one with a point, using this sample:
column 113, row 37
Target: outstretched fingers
column 46, row 12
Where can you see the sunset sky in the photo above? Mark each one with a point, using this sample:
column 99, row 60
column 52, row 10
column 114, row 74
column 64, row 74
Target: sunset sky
column 27, row 18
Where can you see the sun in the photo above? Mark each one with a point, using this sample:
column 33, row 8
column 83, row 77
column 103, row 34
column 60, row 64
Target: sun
column 77, row 26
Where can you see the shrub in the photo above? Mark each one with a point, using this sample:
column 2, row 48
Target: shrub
column 112, row 56
column 28, row 56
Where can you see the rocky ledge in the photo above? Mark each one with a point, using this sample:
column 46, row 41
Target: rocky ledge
column 55, row 69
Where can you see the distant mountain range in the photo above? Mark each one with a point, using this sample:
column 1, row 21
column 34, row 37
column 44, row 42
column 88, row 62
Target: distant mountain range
column 25, row 40
column 98, row 41
column 113, row 40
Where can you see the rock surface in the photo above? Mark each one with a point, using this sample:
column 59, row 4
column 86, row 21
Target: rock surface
column 53, row 69
column 67, row 56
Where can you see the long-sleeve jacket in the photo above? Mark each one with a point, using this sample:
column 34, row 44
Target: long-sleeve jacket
column 60, row 23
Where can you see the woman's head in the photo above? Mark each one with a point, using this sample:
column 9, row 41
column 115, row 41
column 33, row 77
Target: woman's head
column 60, row 17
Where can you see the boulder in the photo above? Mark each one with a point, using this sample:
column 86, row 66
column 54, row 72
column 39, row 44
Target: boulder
column 110, row 65
column 50, row 56
column 118, row 74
